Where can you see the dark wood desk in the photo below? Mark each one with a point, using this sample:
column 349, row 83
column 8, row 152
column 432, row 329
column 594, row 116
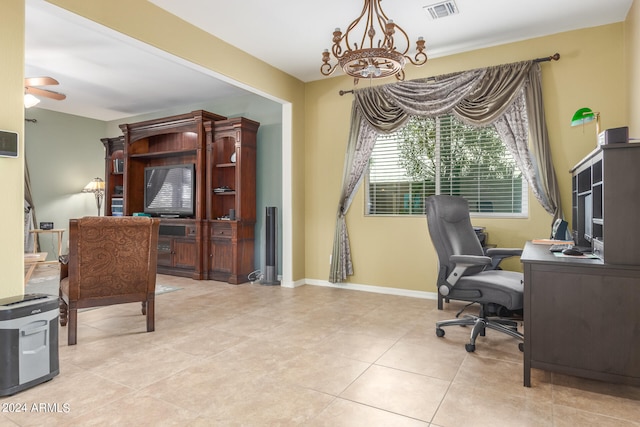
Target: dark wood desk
column 581, row 317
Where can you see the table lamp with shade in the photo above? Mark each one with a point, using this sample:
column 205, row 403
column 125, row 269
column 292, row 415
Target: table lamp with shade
column 96, row 186
column 586, row 115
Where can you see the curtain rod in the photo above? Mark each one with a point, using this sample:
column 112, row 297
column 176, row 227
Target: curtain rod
column 554, row 57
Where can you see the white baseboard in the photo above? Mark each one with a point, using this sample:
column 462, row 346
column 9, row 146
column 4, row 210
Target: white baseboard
column 369, row 288
column 293, row 284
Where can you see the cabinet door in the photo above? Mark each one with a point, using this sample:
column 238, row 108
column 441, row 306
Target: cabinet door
column 221, row 255
column 184, row 253
column 585, row 320
column 165, row 257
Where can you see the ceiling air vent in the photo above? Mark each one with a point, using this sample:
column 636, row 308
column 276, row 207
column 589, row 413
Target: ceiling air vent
column 442, row 9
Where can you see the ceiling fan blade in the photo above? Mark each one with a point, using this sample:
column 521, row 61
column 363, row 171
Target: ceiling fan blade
column 45, row 93
column 40, row 81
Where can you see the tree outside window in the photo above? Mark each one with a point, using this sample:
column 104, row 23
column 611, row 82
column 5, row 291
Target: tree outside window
column 443, row 156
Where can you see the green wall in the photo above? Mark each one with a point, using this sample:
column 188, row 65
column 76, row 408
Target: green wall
column 62, row 155
column 65, row 153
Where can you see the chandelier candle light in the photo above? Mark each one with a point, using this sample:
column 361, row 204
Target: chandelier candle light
column 375, row 57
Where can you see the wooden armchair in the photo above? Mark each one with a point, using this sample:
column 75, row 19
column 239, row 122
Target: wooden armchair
column 111, row 260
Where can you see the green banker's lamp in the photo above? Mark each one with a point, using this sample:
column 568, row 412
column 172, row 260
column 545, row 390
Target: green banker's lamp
column 586, row 115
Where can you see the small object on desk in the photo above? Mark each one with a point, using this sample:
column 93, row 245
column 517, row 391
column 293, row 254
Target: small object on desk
column 46, row 226
column 576, row 257
column 551, row 242
column 572, row 252
column 560, row 247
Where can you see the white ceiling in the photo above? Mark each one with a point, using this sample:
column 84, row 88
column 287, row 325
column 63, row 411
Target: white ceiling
column 108, row 76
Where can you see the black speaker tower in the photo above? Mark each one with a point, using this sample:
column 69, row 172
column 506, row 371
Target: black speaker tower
column 271, row 247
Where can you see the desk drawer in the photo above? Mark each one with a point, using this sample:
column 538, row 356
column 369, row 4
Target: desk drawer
column 221, row 230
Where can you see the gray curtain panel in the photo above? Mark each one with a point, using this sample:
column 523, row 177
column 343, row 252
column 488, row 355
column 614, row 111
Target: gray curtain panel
column 482, row 97
column 540, row 147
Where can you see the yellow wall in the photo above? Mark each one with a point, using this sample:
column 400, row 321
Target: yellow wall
column 395, row 251
column 632, row 62
column 12, row 170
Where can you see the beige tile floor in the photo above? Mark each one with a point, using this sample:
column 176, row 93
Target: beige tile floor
column 252, row 355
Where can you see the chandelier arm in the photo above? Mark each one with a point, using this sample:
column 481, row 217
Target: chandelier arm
column 337, row 51
column 405, row 37
column 328, row 69
column 353, row 25
column 420, row 58
column 369, row 31
column 387, row 26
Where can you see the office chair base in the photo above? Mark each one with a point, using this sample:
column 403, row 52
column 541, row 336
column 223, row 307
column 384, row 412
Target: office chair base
column 480, row 324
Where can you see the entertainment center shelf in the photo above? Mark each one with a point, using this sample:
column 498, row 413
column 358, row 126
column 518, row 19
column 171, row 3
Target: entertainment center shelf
column 215, row 239
column 114, row 172
column 163, row 154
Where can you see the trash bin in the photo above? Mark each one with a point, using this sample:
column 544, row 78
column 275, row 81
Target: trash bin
column 28, row 341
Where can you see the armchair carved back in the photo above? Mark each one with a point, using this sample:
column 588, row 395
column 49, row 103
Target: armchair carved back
column 112, row 257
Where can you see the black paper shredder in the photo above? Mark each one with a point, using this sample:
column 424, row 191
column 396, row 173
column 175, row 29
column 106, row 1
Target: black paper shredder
column 28, row 341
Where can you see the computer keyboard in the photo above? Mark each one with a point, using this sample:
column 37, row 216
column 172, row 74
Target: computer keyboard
column 559, row 247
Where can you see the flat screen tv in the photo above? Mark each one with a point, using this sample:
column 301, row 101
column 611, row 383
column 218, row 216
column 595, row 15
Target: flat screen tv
column 169, row 190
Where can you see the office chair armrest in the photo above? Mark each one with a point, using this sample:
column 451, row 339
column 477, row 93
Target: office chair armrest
column 498, row 254
column 470, row 260
column 504, row 252
column 462, row 264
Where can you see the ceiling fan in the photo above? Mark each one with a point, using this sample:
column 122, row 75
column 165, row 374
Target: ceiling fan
column 31, row 88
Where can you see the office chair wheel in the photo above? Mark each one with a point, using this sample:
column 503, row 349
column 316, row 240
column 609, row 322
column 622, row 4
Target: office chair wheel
column 470, row 348
column 521, row 347
column 439, row 332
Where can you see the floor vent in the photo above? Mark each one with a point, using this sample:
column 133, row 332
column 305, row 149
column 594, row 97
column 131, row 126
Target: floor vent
column 442, row 9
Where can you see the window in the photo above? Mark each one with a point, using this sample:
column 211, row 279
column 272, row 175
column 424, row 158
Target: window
column 443, row 156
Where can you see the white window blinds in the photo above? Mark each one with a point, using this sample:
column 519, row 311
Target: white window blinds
column 443, row 156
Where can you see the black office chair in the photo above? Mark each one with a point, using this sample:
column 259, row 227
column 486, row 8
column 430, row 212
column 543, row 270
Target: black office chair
column 467, row 274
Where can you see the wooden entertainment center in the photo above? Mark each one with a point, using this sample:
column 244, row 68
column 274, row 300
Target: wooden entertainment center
column 217, row 241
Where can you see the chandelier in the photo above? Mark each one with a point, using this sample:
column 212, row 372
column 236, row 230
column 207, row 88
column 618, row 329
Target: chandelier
column 375, row 57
